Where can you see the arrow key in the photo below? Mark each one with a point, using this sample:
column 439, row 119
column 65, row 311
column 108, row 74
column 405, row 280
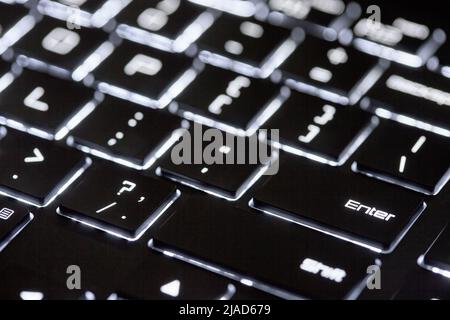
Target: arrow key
column 36, row 171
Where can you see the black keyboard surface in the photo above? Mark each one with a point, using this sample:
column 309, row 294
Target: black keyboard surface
column 224, row 149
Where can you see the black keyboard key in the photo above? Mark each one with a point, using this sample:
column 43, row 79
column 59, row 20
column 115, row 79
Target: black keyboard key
column 401, row 36
column 415, row 97
column 406, row 156
column 228, row 176
column 232, row 102
column 13, row 218
column 424, row 285
column 36, row 171
column 82, row 13
column 144, row 75
column 325, row 132
column 291, row 263
column 326, row 66
column 248, row 46
column 124, row 204
column 437, row 257
column 126, row 133
column 33, row 100
column 323, row 18
column 169, row 24
column 346, row 205
column 170, row 279
column 53, row 44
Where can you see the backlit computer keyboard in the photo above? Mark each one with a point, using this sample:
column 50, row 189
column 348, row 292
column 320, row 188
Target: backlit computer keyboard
column 224, row 149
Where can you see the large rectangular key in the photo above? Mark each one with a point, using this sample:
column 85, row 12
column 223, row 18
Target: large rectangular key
column 256, row 249
column 366, row 212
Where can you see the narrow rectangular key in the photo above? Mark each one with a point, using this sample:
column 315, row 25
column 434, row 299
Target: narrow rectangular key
column 417, row 97
column 82, row 13
column 145, row 75
column 124, row 204
column 232, row 102
column 13, row 218
column 54, row 44
column 403, row 36
column 325, row 66
column 406, row 156
column 33, row 100
column 126, row 133
column 320, row 130
column 274, row 256
column 227, row 177
column 36, row 171
column 172, row 31
column 437, row 257
column 321, row 17
column 332, row 200
column 248, row 46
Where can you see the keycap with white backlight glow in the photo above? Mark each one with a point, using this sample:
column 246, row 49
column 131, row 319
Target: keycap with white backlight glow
column 406, row 156
column 52, row 43
column 145, row 75
column 126, row 133
column 36, row 171
column 125, row 203
column 33, row 100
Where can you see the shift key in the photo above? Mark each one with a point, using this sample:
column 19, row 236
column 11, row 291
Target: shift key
column 352, row 207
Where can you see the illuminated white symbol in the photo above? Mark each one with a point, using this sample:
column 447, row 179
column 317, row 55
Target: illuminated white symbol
column 143, row 64
column 154, row 19
column 234, row 47
column 61, row 41
column 320, row 74
column 6, row 213
column 251, row 29
column 32, row 100
column 119, row 135
column 329, row 112
column 106, row 207
column 401, row 167
column 31, row 295
column 74, row 19
column 123, row 217
column 316, row 267
column 225, row 149
column 231, row 291
column 235, row 86
column 171, row 289
column 337, row 56
column 233, row 90
column 128, row 186
column 15, row 176
column 300, row 9
column 217, row 105
column 141, row 199
column 419, row 143
column 313, row 130
column 38, row 157
column 204, row 170
column 416, row 147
